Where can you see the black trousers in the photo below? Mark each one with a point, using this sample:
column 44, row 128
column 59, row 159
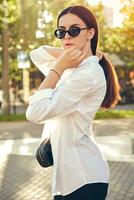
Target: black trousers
column 92, row 191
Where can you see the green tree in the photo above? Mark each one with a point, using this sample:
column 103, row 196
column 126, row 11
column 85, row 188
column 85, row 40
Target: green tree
column 120, row 40
column 127, row 33
column 8, row 14
column 18, row 24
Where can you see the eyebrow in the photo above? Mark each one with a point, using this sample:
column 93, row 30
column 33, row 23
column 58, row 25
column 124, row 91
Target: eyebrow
column 73, row 25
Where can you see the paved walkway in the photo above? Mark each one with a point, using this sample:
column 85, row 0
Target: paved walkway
column 21, row 178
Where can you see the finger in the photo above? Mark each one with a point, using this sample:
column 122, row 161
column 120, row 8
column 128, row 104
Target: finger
column 86, row 47
column 76, row 53
column 85, row 51
column 99, row 54
column 84, row 54
column 71, row 49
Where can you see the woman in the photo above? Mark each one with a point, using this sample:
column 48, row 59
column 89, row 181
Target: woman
column 67, row 100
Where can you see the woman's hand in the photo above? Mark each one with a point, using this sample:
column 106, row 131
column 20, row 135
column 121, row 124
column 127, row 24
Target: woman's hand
column 101, row 54
column 71, row 58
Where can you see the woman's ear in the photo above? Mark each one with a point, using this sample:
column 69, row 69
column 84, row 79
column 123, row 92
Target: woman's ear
column 91, row 33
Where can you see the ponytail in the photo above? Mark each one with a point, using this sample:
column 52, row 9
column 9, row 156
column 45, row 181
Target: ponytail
column 112, row 93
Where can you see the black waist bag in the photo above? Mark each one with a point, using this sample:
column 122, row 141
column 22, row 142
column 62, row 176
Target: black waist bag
column 44, row 153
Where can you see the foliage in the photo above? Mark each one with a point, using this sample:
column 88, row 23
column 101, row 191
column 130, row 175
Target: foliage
column 8, row 12
column 127, row 32
column 120, row 40
column 20, row 21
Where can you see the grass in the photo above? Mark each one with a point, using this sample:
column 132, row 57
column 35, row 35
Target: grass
column 13, row 117
column 114, row 114
column 102, row 114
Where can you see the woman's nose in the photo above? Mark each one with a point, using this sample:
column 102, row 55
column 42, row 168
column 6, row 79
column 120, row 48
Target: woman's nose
column 67, row 36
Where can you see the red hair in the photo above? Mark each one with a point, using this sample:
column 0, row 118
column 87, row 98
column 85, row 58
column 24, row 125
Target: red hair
column 112, row 94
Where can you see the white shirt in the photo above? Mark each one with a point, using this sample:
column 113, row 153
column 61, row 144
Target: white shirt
column 67, row 112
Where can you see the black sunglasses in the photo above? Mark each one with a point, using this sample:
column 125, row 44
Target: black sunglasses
column 73, row 32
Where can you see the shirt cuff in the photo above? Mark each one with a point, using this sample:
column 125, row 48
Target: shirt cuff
column 41, row 94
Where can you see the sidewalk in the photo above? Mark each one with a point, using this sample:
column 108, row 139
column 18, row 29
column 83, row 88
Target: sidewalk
column 21, row 178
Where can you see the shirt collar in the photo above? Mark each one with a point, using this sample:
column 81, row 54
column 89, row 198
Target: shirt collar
column 90, row 59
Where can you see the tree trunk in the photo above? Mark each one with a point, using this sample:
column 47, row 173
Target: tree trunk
column 5, row 71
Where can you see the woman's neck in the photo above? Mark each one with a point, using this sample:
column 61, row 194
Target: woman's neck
column 89, row 53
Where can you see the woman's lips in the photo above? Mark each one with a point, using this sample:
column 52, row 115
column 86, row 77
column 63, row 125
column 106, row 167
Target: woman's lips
column 68, row 45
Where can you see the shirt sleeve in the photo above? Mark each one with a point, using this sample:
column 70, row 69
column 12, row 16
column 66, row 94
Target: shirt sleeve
column 61, row 101
column 42, row 59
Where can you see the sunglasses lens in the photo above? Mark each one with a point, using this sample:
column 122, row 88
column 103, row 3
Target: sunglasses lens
column 73, row 32
column 60, row 33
